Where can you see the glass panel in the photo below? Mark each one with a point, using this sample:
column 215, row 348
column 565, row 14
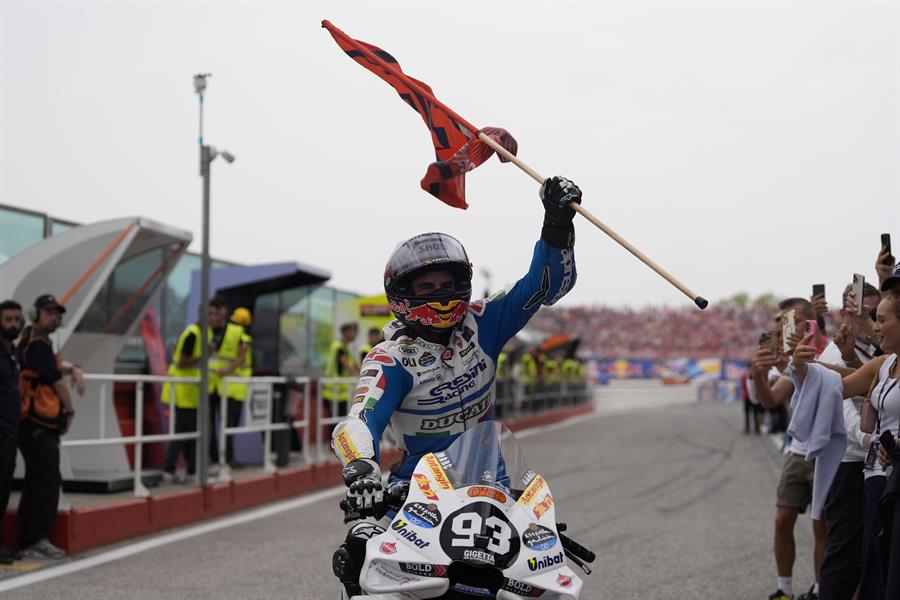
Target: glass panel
column 294, row 344
column 18, row 231
column 175, row 298
column 265, row 335
column 321, row 314
column 123, row 295
column 59, row 226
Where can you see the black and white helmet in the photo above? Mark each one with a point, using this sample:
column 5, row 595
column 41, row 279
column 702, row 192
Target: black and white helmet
column 439, row 311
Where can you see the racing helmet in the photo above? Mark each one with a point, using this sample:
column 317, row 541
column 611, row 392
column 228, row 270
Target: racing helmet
column 441, row 310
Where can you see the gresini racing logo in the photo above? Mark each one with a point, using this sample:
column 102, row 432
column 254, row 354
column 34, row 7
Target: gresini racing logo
column 459, row 416
column 458, row 385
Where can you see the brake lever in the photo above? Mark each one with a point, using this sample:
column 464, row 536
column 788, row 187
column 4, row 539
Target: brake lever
column 577, row 561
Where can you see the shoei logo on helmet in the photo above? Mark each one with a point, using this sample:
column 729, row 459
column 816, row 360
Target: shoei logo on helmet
column 437, row 314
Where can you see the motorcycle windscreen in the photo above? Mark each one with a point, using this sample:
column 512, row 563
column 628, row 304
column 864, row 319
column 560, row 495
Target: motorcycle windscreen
column 487, row 454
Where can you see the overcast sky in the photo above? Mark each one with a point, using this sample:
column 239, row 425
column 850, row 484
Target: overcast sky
column 742, row 145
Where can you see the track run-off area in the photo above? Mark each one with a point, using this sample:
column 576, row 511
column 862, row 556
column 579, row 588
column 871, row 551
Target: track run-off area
column 673, row 497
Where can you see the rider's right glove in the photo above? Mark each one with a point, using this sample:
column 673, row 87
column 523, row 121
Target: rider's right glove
column 557, row 193
column 364, row 488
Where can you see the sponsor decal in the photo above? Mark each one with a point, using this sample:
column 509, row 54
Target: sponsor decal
column 346, row 447
column 543, row 562
column 531, row 492
column 563, row 580
column 422, row 515
column 460, row 416
column 437, row 314
column 366, row 530
column 424, row 569
column 568, row 265
column 432, row 379
column 444, row 460
column 381, row 384
column 380, row 356
column 480, row 491
column 481, row 556
column 538, row 538
column 528, row 477
column 370, row 406
column 541, row 293
column 461, row 384
column 467, row 332
column 477, row 307
column 447, row 355
column 472, row 590
column 425, row 486
column 543, row 506
column 427, row 359
column 457, row 342
column 407, row 350
column 520, row 588
column 358, row 399
column 467, row 349
column 388, row 547
column 370, row 373
column 403, row 530
column 480, row 527
column 390, row 574
column 439, row 476
column 361, row 391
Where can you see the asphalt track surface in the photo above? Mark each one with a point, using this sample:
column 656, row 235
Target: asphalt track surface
column 673, row 498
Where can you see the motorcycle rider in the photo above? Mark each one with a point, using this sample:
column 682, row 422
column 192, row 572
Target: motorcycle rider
column 432, row 378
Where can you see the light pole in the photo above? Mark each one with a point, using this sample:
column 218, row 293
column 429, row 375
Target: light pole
column 207, row 155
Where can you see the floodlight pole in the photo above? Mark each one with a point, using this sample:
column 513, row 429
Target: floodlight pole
column 203, row 409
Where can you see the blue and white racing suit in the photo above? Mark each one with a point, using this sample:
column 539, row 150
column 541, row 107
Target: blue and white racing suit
column 431, row 393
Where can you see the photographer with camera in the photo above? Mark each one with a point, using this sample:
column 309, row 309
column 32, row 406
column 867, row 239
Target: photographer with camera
column 794, row 491
column 877, row 380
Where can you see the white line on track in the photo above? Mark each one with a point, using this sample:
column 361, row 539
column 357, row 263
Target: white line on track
column 247, row 517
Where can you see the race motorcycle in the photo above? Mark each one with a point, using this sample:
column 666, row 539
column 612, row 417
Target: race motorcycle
column 473, row 522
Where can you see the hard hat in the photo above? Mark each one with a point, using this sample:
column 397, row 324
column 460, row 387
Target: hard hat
column 241, row 316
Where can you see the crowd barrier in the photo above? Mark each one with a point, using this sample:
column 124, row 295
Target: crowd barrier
column 312, row 421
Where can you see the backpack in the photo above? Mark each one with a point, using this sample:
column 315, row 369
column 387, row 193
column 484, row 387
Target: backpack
column 40, row 403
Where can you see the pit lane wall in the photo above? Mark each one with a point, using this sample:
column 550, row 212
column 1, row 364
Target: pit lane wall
column 81, row 528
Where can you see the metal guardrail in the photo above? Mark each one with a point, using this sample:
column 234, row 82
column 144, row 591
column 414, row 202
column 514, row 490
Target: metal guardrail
column 513, row 398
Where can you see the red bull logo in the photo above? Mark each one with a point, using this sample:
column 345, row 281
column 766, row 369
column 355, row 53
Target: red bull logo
column 543, row 506
column 438, row 314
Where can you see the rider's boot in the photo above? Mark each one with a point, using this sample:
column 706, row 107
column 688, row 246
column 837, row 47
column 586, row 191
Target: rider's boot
column 348, row 559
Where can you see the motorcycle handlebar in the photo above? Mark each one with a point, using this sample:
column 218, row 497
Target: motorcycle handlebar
column 577, row 549
column 394, row 497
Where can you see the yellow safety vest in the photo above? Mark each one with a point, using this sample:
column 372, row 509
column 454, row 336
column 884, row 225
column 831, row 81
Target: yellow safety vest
column 225, row 355
column 238, row 391
column 339, row 391
column 364, row 351
column 551, row 371
column 529, row 370
column 570, row 369
column 502, row 359
column 187, row 395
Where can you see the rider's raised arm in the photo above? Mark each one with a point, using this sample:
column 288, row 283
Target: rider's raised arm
column 382, row 385
column 551, row 274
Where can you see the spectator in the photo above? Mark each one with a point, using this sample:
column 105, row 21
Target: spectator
column 39, row 434
column 376, row 336
column 10, row 407
column 341, row 363
column 794, row 491
column 844, row 508
column 877, row 379
column 228, row 351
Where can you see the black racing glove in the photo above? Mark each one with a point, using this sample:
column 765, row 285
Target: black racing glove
column 365, row 491
column 556, row 194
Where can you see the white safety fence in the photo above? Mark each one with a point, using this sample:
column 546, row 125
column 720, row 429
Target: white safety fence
column 320, row 411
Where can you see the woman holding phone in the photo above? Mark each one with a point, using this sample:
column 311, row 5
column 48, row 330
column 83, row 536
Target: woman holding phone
column 877, row 379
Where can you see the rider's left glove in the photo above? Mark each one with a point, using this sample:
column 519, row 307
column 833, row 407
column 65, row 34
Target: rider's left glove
column 364, row 488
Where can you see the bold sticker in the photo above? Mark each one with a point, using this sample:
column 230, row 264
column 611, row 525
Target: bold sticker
column 422, row 515
column 538, row 538
column 425, row 486
column 543, row 506
column 486, row 492
column 424, row 569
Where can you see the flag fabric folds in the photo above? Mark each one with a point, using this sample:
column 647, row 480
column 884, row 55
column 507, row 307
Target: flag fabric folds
column 456, row 144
